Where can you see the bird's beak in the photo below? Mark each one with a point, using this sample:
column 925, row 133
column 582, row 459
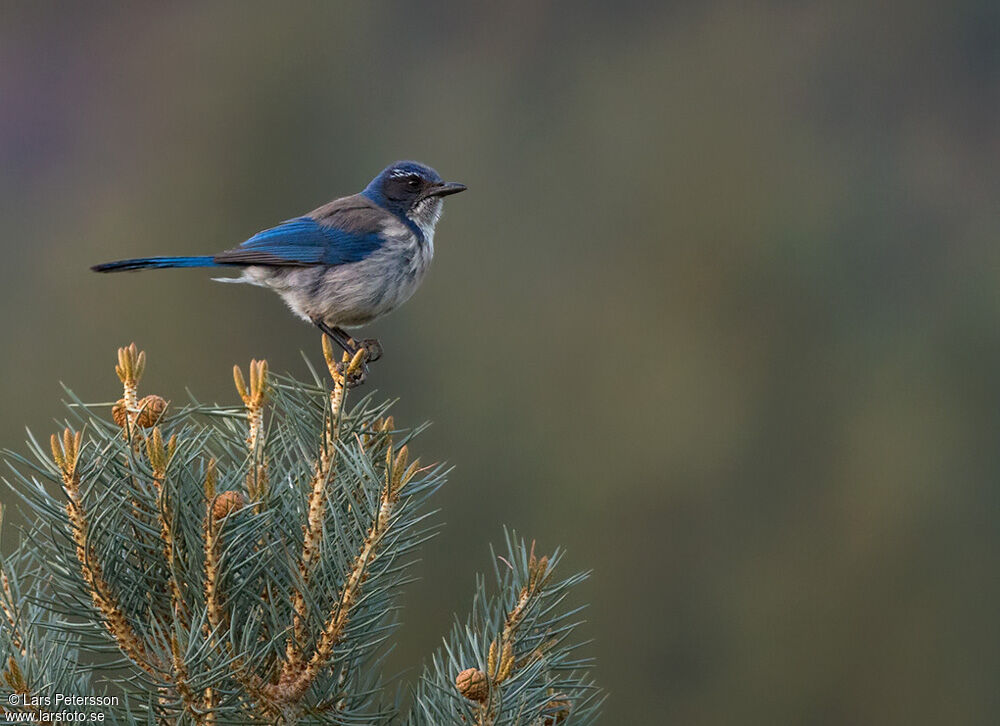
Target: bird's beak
column 443, row 189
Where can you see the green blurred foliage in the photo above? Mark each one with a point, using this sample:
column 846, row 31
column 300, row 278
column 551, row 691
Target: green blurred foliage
column 719, row 311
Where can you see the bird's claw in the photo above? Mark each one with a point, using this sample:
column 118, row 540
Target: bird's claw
column 372, row 348
column 351, row 376
column 352, row 370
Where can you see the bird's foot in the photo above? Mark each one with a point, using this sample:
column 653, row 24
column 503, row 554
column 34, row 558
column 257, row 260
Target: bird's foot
column 372, row 348
column 351, row 375
column 351, row 369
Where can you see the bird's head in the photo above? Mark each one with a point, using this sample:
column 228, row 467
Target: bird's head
column 411, row 190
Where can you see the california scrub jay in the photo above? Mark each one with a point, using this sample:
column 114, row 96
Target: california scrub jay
column 345, row 263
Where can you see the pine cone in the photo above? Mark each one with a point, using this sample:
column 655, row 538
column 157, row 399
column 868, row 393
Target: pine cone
column 119, row 414
column 472, row 684
column 227, row 503
column 151, row 408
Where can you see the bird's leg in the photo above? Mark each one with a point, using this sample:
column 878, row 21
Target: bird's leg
column 345, row 341
column 371, row 347
column 338, row 336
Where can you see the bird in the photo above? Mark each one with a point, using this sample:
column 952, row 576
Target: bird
column 344, row 264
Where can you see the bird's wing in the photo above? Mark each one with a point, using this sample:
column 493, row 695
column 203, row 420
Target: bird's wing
column 342, row 231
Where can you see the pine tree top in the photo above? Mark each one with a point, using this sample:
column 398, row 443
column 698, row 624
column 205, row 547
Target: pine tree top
column 242, row 564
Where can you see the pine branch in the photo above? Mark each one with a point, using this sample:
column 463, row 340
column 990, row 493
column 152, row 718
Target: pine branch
column 35, row 665
column 242, row 564
column 66, row 454
column 512, row 662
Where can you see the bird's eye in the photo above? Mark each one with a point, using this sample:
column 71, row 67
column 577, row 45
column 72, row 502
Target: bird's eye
column 413, row 181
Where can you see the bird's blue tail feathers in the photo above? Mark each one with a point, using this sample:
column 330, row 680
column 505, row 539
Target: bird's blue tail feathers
column 145, row 263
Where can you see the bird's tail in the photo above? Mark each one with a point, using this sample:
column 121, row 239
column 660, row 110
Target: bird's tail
column 143, row 263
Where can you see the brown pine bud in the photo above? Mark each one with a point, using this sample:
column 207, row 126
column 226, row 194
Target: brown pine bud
column 119, row 414
column 558, row 711
column 472, row 684
column 151, row 408
column 227, row 503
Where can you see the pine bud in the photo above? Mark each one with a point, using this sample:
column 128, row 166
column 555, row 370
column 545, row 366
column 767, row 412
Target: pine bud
column 151, row 408
column 558, row 712
column 227, row 503
column 472, row 684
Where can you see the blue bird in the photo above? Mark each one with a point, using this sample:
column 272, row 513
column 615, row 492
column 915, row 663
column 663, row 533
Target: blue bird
column 345, row 263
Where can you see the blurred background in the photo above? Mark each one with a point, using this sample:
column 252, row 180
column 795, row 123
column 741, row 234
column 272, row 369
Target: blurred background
column 719, row 312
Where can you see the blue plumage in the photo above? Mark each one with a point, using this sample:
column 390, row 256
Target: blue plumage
column 148, row 263
column 345, row 263
column 304, row 241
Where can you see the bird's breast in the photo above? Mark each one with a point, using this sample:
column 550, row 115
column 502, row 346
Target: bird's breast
column 410, row 251
column 357, row 293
